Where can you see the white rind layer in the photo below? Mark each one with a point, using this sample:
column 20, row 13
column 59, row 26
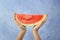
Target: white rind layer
column 37, row 23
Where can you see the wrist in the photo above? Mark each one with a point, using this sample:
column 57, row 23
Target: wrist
column 23, row 30
column 35, row 31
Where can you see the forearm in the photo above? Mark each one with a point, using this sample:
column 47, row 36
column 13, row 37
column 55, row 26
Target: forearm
column 36, row 35
column 21, row 35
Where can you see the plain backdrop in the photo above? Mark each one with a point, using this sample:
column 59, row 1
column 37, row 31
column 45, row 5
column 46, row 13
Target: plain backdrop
column 49, row 31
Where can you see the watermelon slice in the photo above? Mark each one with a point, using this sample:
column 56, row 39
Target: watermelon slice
column 30, row 19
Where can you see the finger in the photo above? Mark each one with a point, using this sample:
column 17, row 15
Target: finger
column 23, row 27
column 43, row 21
column 38, row 26
column 19, row 24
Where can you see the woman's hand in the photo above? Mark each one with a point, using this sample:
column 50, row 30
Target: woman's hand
column 37, row 27
column 22, row 33
column 22, row 27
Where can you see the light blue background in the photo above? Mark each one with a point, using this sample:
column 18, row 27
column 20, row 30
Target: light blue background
column 49, row 31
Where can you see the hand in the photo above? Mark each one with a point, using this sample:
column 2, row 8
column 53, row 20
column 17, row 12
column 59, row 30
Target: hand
column 36, row 27
column 22, row 27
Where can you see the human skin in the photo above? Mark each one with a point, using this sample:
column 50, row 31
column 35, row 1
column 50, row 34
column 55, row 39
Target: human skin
column 22, row 33
column 35, row 30
column 23, row 30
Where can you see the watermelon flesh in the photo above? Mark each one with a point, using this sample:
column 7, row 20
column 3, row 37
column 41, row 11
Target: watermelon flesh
column 30, row 19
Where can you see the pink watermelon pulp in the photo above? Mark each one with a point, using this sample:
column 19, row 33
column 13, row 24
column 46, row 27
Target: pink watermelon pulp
column 30, row 19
